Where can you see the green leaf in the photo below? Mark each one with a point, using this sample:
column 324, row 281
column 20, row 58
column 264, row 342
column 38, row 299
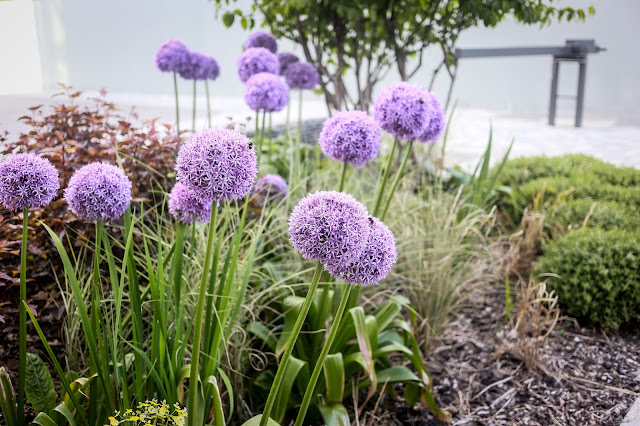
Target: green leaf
column 7, row 398
column 228, row 19
column 334, row 377
column 39, row 387
column 255, row 421
column 43, row 419
column 244, row 23
column 294, row 366
column 397, row 374
column 334, row 415
column 263, row 333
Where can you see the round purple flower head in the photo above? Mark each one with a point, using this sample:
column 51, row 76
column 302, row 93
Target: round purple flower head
column 271, row 187
column 185, row 207
column 201, row 67
column 376, row 261
column 266, row 92
column 256, row 60
column 329, row 226
column 173, row 56
column 404, row 110
column 437, row 123
column 262, row 39
column 350, row 136
column 98, row 191
column 301, row 75
column 286, row 59
column 217, row 165
column 27, row 180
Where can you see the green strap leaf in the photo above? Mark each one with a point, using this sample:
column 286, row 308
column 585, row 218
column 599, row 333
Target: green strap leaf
column 334, row 415
column 255, row 421
column 334, row 377
column 7, row 398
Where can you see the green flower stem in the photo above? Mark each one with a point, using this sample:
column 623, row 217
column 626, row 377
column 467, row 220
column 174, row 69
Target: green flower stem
column 177, row 277
column 337, row 319
column 206, row 89
column 175, row 92
column 193, row 122
column 396, row 180
column 270, row 140
column 22, row 359
column 342, row 176
column 299, row 138
column 286, row 126
column 261, row 143
column 385, row 177
column 277, row 381
column 192, row 403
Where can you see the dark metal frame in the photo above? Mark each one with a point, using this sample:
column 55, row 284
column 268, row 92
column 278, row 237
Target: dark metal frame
column 572, row 51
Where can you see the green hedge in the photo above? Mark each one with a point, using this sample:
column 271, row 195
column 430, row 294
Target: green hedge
column 599, row 273
column 607, row 215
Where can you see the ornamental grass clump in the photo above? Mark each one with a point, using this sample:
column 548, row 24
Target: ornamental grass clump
column 26, row 180
column 262, row 39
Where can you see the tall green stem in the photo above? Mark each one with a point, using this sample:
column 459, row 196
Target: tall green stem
column 206, row 89
column 95, row 318
column 396, row 180
column 291, row 342
column 270, row 140
column 342, row 176
column 264, row 119
column 192, row 403
column 337, row 319
column 286, row 127
column 385, row 177
column 193, row 121
column 175, row 92
column 177, row 277
column 299, row 138
column 22, row 348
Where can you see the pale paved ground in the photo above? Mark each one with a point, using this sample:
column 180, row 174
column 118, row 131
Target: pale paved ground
column 467, row 139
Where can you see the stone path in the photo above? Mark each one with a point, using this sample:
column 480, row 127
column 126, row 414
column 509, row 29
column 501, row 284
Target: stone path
column 467, row 140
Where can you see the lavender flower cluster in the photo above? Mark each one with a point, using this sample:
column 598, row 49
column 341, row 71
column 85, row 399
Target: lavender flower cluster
column 262, row 39
column 217, row 165
column 270, row 187
column 256, row 60
column 186, row 207
column 266, row 92
column 350, row 136
column 301, row 75
column 98, row 191
column 174, row 56
column 408, row 112
column 285, row 59
column 27, row 180
column 335, row 229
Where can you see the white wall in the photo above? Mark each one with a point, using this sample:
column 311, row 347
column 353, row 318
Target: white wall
column 93, row 44
column 20, row 69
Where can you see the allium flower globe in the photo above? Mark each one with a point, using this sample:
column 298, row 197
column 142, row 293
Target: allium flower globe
column 256, row 60
column 173, row 56
column 27, row 180
column 329, row 226
column 437, row 123
column 286, row 59
column 270, row 187
column 217, row 165
column 266, row 92
column 403, row 110
column 301, row 75
column 375, row 262
column 200, row 67
column 98, row 191
column 350, row 136
column 262, row 39
column 186, row 207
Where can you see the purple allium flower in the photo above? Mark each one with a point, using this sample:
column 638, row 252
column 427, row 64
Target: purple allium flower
column 256, row 60
column 27, row 180
column 437, row 123
column 184, row 206
column 404, row 110
column 217, row 165
column 350, row 136
column 301, row 75
column 262, row 39
column 329, row 226
column 266, row 92
column 272, row 187
column 98, row 191
column 201, row 67
column 286, row 59
column 173, row 56
column 375, row 262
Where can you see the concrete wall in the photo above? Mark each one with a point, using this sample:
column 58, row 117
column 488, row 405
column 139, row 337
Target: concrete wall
column 93, row 44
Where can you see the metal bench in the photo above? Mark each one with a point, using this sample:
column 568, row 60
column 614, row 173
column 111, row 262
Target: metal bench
column 572, row 51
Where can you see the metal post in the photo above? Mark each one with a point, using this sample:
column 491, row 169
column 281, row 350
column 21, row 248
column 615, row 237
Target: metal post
column 554, row 91
column 580, row 99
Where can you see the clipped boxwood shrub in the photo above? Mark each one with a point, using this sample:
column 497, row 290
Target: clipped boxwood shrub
column 599, row 273
column 606, row 215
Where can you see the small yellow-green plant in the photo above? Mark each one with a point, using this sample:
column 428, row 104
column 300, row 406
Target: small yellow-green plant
column 151, row 413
